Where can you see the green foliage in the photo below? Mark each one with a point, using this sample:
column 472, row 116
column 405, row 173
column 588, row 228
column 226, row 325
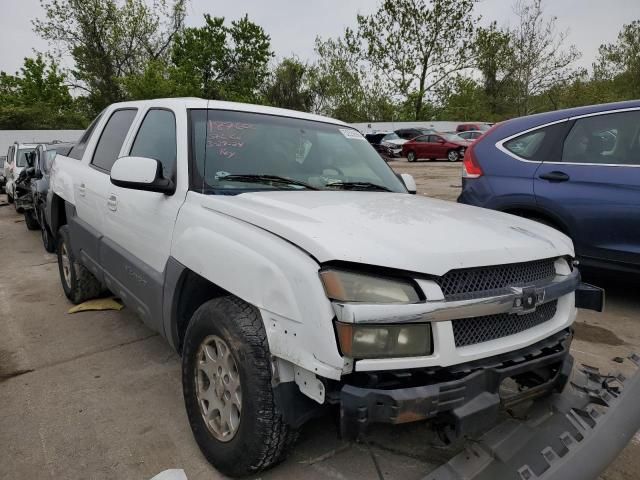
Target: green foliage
column 416, row 45
column 288, row 86
column 619, row 63
column 222, row 62
column 409, row 60
column 109, row 40
column 37, row 98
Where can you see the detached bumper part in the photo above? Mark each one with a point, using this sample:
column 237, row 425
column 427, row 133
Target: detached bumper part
column 590, row 297
column 469, row 402
column 571, row 436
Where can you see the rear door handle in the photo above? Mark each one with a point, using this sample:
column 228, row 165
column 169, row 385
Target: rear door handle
column 112, row 202
column 555, row 176
column 82, row 190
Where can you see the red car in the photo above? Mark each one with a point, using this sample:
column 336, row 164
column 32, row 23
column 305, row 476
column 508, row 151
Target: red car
column 437, row 145
column 465, row 127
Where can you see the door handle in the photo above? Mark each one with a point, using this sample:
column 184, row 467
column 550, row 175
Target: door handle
column 112, row 202
column 82, row 190
column 555, row 176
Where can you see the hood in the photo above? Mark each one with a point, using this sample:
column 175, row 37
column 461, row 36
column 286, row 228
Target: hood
column 394, row 230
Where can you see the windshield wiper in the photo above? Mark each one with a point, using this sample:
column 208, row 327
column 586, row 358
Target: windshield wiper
column 267, row 179
column 359, row 186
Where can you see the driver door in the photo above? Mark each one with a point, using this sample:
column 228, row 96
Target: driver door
column 138, row 227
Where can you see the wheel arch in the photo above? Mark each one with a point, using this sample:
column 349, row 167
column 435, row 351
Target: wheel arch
column 57, row 214
column 185, row 292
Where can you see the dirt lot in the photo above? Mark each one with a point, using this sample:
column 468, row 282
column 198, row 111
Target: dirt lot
column 97, row 395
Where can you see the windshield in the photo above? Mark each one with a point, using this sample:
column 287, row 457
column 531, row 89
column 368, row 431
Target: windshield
column 231, row 148
column 22, row 156
column 451, row 137
column 391, row 136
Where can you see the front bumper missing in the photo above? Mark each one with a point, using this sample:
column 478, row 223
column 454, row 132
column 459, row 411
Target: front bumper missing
column 467, row 400
column 571, row 436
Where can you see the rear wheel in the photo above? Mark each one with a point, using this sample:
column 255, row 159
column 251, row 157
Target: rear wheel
column 411, row 156
column 31, row 220
column 78, row 283
column 453, row 155
column 226, row 381
column 48, row 241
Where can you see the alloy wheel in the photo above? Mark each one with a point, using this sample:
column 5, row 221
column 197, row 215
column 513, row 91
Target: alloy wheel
column 218, row 388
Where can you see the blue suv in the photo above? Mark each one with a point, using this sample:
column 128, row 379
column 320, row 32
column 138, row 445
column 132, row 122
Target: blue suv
column 577, row 170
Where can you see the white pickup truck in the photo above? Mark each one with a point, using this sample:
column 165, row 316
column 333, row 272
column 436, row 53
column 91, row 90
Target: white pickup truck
column 293, row 270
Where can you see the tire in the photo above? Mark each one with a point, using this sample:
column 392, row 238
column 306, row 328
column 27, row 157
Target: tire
column 453, row 155
column 411, row 157
column 260, row 438
column 31, row 220
column 48, row 241
column 78, row 283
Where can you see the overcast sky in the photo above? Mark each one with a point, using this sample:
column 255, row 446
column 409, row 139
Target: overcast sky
column 294, row 24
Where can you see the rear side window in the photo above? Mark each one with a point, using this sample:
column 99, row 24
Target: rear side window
column 78, row 149
column 156, row 139
column 112, row 138
column 604, row 139
column 527, row 145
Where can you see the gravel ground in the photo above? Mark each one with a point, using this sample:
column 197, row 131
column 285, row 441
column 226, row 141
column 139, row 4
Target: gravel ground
column 97, row 395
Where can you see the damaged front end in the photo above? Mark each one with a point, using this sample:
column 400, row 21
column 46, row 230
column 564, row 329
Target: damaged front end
column 574, row 435
column 23, row 193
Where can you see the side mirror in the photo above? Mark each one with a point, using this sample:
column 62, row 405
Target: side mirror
column 141, row 173
column 409, row 182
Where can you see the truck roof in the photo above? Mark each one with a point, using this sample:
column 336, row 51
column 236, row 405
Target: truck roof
column 193, row 102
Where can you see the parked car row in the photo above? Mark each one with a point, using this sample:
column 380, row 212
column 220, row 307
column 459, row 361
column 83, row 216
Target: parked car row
column 30, row 187
column 426, row 143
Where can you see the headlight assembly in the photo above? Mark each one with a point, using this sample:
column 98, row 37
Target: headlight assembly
column 384, row 341
column 346, row 286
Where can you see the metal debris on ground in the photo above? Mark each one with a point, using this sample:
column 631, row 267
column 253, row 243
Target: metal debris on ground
column 98, row 304
column 173, row 474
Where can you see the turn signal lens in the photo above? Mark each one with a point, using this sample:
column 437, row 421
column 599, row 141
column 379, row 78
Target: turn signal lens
column 384, row 341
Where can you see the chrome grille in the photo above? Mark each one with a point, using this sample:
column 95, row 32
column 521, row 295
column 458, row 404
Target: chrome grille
column 469, row 331
column 473, row 282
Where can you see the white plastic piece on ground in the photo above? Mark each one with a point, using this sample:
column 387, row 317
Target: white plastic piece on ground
column 172, row 474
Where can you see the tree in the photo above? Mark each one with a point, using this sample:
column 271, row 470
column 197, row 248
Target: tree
column 619, row 63
column 416, row 45
column 222, row 62
column 539, row 55
column 341, row 86
column 37, row 97
column 494, row 58
column 288, row 86
column 109, row 40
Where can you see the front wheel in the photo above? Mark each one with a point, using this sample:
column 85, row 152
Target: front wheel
column 226, row 382
column 411, row 156
column 453, row 156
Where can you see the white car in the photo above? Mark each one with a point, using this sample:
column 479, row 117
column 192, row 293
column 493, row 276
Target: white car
column 16, row 161
column 293, row 270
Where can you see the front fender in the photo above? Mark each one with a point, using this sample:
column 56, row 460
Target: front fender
column 268, row 272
